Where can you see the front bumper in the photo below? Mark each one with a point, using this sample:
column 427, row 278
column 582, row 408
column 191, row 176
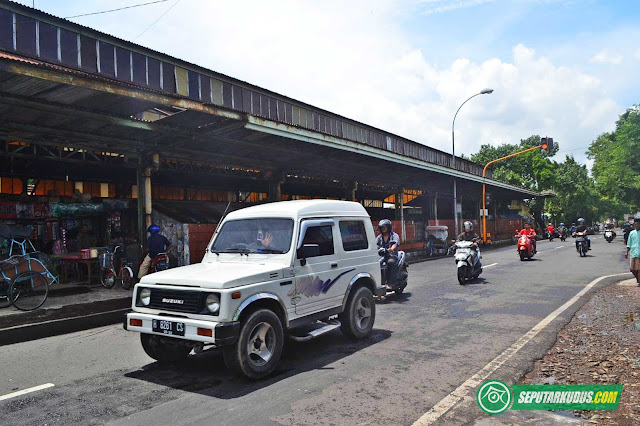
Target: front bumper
column 223, row 333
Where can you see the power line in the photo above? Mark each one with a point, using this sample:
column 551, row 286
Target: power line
column 115, row 10
column 159, row 18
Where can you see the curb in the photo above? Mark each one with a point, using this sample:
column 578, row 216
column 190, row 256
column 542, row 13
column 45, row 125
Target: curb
column 112, row 314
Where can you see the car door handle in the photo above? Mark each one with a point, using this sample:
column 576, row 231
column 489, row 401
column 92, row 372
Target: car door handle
column 334, row 265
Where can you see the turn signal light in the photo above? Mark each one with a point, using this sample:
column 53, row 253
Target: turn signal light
column 135, row 322
column 236, row 295
column 206, row 332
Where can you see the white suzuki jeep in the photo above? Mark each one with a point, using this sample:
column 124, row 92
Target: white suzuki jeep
column 274, row 270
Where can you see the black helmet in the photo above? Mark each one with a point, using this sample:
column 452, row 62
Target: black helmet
column 153, row 229
column 385, row 223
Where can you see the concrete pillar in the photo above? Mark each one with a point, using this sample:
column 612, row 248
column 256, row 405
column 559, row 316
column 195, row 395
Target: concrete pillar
column 435, row 209
column 275, row 186
column 147, row 196
column 350, row 190
column 142, row 229
column 403, row 236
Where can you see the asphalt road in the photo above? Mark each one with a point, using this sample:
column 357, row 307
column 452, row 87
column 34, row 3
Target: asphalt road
column 425, row 344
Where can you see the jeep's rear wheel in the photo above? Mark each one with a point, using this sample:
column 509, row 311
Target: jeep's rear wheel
column 163, row 349
column 259, row 346
column 360, row 314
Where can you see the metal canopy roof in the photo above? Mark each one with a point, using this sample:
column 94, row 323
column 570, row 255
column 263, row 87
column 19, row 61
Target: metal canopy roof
column 70, row 113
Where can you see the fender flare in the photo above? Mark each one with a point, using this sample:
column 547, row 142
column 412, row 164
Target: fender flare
column 359, row 276
column 259, row 296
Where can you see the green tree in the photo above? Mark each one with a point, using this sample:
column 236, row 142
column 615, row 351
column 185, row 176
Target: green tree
column 616, row 163
column 533, row 170
column 576, row 194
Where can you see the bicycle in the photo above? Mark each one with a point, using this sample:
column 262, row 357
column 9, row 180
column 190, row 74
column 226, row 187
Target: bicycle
column 108, row 275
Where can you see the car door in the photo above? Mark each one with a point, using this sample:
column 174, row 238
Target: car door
column 315, row 275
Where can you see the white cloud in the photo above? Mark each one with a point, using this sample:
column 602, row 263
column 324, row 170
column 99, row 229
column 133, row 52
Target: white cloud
column 439, row 6
column 606, row 57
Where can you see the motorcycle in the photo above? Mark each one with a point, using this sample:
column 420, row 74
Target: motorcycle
column 469, row 266
column 609, row 235
column 552, row 235
column 581, row 244
column 525, row 248
column 398, row 282
column 562, row 232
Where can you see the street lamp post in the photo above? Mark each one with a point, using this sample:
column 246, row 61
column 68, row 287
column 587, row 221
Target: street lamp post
column 453, row 157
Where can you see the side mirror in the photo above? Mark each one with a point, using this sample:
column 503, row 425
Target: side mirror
column 308, row 250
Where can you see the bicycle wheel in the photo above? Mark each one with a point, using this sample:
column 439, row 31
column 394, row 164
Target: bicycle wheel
column 28, row 290
column 108, row 277
column 127, row 278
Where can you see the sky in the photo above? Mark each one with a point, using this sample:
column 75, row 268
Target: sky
column 561, row 68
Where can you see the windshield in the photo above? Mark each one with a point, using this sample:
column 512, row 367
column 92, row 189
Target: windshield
column 254, row 236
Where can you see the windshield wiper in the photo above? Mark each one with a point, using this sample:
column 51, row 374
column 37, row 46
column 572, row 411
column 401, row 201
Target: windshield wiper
column 236, row 250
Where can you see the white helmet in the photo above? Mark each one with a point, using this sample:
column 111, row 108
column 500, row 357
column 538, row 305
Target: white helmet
column 468, row 226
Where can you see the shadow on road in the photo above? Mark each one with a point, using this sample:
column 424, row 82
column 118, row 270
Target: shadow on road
column 477, row 281
column 206, row 373
column 397, row 298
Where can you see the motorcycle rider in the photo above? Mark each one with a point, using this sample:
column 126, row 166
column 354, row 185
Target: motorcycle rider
column 550, row 230
column 562, row 230
column 531, row 233
column 470, row 235
column 156, row 244
column 390, row 241
column 572, row 230
column 583, row 228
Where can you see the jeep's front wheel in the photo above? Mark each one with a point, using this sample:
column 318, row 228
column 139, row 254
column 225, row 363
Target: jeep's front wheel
column 163, row 349
column 360, row 313
column 259, row 346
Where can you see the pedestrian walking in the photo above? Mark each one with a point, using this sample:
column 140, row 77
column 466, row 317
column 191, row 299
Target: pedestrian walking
column 633, row 250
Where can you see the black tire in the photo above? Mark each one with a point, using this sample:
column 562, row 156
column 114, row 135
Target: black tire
column 165, row 350
column 398, row 290
column 461, row 276
column 523, row 256
column 127, row 278
column 359, row 315
column 28, row 290
column 257, row 351
column 108, row 277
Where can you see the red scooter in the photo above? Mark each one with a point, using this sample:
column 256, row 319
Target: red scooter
column 525, row 248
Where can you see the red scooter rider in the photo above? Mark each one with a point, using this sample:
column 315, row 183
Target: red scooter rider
column 531, row 233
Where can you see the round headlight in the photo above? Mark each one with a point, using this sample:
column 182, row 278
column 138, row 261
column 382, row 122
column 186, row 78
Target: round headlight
column 145, row 296
column 213, row 303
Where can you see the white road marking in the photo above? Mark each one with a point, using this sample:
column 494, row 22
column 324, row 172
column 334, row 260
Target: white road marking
column 558, row 247
column 489, row 266
column 474, row 381
column 26, row 391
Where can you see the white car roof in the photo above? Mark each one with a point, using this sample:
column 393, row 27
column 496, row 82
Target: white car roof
column 298, row 209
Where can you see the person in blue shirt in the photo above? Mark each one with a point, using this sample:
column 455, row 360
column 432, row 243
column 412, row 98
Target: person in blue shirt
column 156, row 244
column 389, row 241
column 633, row 250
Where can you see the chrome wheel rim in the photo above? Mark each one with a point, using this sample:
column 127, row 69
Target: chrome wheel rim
column 261, row 344
column 363, row 313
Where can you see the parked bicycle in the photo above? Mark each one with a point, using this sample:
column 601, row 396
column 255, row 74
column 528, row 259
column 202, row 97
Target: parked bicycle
column 24, row 278
column 24, row 282
column 108, row 274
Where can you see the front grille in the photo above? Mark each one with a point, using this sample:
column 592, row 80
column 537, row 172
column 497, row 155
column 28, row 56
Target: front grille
column 193, row 301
